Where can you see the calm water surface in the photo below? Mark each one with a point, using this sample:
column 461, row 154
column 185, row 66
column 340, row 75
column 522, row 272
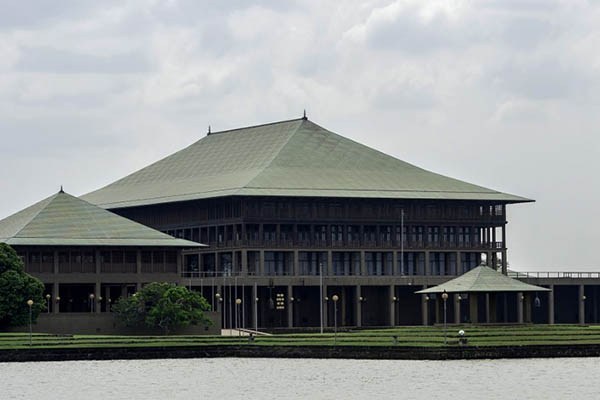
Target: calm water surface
column 235, row 378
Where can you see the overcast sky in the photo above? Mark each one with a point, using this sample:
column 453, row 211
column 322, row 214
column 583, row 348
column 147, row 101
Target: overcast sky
column 504, row 94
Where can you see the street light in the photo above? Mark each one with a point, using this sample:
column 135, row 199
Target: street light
column 48, row 303
column 335, row 299
column 30, row 303
column 445, row 297
column 321, row 295
column 92, row 302
column 237, row 315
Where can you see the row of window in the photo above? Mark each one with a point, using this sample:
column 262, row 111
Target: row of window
column 409, row 235
column 314, row 263
column 110, row 261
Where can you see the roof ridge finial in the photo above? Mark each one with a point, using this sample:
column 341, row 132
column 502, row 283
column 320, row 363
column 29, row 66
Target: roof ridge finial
column 304, row 115
column 61, row 189
column 208, row 130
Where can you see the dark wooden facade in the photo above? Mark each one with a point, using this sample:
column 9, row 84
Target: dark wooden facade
column 270, row 248
column 91, row 278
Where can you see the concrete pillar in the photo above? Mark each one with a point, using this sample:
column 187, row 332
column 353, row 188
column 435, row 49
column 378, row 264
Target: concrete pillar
column 504, row 255
column 424, row 308
column 395, row 266
column 527, row 307
column 138, row 286
column 255, row 307
column 98, row 265
column 329, row 263
column 179, row 263
column 492, row 306
column 551, row 305
column 474, row 308
column 56, row 295
column 427, row 266
column 261, row 263
column 520, row 299
column 296, row 262
column 55, row 267
column 219, row 301
column 456, row 308
column 581, row 304
column 392, row 304
column 459, row 270
column 290, row 309
column 358, row 307
column 138, row 264
column 244, row 262
column 487, row 308
column 363, row 265
column 97, row 295
column 107, row 300
column 342, row 307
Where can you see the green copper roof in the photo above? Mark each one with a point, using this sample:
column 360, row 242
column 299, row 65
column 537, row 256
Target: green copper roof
column 483, row 279
column 63, row 220
column 289, row 158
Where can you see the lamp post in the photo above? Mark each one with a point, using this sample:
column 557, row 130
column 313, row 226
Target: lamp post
column 321, row 294
column 335, row 299
column 48, row 303
column 445, row 298
column 394, row 316
column 92, row 302
column 219, row 299
column 237, row 315
column 402, row 241
column 30, row 303
column 256, row 313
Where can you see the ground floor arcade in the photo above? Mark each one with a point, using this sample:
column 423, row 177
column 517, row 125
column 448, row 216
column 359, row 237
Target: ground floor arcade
column 294, row 303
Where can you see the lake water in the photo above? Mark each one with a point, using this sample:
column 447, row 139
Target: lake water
column 236, row 378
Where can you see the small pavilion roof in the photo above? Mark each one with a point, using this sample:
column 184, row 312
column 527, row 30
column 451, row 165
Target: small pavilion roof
column 483, row 279
column 65, row 220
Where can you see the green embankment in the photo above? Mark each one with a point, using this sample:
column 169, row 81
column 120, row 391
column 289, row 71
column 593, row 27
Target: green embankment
column 405, row 336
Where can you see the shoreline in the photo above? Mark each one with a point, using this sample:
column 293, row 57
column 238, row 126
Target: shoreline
column 314, row 352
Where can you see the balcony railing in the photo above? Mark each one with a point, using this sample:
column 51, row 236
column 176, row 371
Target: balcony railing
column 346, row 244
column 555, row 274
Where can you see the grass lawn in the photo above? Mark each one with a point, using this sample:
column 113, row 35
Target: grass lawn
column 401, row 336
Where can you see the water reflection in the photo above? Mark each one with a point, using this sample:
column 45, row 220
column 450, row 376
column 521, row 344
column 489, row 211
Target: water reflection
column 235, row 378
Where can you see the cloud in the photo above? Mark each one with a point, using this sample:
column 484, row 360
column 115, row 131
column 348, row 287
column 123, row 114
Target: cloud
column 493, row 92
column 52, row 60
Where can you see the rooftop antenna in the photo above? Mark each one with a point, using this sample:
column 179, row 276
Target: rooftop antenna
column 61, row 189
column 304, row 115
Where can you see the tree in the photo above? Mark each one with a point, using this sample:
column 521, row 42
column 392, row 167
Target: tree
column 163, row 305
column 16, row 287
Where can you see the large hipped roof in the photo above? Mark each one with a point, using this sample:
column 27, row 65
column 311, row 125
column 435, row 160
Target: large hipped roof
column 64, row 220
column 289, row 158
column 483, row 279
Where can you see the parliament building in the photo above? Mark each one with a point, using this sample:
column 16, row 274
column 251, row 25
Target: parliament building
column 272, row 221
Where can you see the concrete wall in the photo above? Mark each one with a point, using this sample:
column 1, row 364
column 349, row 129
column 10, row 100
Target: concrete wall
column 105, row 324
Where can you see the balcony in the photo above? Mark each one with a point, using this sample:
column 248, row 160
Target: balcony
column 365, row 244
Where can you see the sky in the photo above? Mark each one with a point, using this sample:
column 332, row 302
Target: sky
column 504, row 94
